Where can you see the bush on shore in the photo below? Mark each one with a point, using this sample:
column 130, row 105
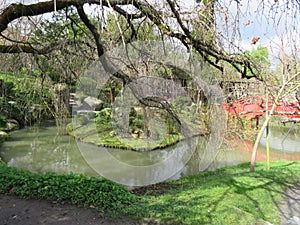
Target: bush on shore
column 98, row 193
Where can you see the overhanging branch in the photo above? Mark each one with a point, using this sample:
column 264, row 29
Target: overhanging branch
column 15, row 11
column 209, row 52
column 28, row 48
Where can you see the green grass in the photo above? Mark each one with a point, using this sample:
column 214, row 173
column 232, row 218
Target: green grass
column 226, row 196
column 230, row 195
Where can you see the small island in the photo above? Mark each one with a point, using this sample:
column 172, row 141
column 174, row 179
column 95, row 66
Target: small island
column 143, row 129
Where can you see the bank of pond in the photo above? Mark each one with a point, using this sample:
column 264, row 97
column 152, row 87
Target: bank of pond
column 230, row 195
column 41, row 162
column 45, row 148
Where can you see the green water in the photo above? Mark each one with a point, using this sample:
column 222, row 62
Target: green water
column 44, row 149
column 284, row 139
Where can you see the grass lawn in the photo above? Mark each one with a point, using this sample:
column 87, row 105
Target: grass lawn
column 231, row 195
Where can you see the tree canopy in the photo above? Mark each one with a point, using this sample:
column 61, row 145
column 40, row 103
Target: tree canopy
column 198, row 27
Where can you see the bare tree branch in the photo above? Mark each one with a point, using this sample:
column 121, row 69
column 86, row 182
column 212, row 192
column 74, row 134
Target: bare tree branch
column 212, row 52
column 128, row 15
column 206, row 50
column 28, row 48
column 15, row 11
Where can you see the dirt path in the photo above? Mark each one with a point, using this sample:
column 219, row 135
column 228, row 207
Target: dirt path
column 16, row 211
column 290, row 209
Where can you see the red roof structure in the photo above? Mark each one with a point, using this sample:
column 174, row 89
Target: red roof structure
column 253, row 107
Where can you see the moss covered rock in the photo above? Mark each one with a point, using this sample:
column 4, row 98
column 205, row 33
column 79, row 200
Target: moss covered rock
column 12, row 124
column 3, row 136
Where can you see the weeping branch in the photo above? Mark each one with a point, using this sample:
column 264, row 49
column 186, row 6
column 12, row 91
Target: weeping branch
column 28, row 48
column 15, row 11
column 212, row 53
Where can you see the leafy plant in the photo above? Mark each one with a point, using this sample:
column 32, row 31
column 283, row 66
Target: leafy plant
column 103, row 120
column 99, row 193
column 25, row 97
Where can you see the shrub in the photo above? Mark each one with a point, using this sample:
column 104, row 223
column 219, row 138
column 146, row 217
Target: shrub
column 23, row 92
column 103, row 120
column 2, row 122
column 100, row 193
column 69, row 129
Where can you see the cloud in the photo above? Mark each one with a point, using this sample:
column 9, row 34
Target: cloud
column 276, row 24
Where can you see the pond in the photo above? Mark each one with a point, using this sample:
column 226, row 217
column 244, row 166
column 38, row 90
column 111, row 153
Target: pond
column 285, row 138
column 284, row 142
column 43, row 149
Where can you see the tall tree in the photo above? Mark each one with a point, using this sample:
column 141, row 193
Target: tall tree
column 177, row 25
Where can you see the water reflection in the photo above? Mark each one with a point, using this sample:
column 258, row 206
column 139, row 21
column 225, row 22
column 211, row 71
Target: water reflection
column 41, row 149
column 134, row 168
column 284, row 138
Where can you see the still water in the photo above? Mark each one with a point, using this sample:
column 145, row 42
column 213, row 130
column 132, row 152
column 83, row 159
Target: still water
column 285, row 139
column 43, row 149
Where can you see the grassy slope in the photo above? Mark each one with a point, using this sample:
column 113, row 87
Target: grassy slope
column 230, row 195
column 226, row 196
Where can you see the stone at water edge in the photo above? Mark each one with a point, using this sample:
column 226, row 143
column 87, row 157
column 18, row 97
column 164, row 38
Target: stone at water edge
column 93, row 103
column 12, row 124
column 3, row 136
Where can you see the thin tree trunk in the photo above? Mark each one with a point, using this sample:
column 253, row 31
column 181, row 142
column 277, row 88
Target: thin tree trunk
column 265, row 124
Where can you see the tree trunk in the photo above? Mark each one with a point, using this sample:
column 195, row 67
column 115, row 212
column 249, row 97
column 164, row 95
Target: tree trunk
column 265, row 124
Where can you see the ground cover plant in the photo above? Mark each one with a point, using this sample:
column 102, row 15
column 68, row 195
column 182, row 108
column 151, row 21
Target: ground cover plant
column 231, row 195
column 98, row 193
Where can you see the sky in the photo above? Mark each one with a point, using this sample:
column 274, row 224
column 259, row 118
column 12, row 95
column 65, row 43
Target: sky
column 275, row 22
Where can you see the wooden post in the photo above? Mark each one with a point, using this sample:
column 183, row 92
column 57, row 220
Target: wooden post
column 250, row 128
column 267, row 131
column 257, row 122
